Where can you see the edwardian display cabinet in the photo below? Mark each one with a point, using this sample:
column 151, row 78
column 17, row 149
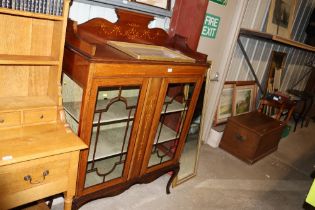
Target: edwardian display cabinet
column 134, row 113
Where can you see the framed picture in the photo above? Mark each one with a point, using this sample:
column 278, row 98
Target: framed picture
column 280, row 18
column 150, row 52
column 244, row 97
column 225, row 106
column 164, row 4
column 274, row 70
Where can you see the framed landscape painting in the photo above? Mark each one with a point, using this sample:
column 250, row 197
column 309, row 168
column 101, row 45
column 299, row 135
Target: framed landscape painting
column 244, row 98
column 224, row 110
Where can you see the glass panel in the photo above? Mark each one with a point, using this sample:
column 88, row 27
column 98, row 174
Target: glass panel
column 172, row 118
column 72, row 100
column 112, row 125
column 189, row 157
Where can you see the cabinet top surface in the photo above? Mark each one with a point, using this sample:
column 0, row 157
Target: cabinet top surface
column 27, row 143
column 93, row 41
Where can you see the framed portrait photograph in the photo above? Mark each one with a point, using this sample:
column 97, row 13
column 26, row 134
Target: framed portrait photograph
column 280, row 17
column 225, row 106
column 244, row 98
column 164, row 4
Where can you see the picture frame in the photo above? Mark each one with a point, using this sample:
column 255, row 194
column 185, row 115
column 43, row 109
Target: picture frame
column 280, row 17
column 275, row 70
column 225, row 106
column 164, row 4
column 150, row 52
column 244, row 97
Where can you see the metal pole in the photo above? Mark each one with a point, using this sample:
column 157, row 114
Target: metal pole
column 249, row 64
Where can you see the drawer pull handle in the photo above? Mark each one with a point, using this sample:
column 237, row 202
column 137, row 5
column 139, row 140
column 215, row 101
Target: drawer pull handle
column 29, row 178
column 239, row 137
column 42, row 116
column 1, row 120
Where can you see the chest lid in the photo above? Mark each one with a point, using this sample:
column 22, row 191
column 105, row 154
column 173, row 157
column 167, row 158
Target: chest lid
column 257, row 122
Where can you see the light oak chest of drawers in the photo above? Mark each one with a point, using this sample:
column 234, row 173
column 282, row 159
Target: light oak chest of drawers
column 38, row 154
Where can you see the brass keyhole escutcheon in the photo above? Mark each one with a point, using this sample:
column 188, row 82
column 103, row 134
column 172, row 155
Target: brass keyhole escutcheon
column 239, row 137
column 42, row 116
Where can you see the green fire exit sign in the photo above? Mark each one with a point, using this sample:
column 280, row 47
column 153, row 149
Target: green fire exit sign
column 210, row 26
column 222, row 2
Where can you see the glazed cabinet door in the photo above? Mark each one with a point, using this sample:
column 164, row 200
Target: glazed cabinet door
column 116, row 105
column 175, row 106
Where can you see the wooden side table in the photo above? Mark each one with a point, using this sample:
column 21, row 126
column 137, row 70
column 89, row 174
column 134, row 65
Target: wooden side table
column 37, row 162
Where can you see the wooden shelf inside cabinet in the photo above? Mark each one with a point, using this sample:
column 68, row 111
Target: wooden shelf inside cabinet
column 111, row 147
column 167, row 134
column 27, row 60
column 115, row 114
column 274, row 38
column 30, row 14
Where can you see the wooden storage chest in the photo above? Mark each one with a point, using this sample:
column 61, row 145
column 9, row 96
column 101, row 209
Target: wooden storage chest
column 251, row 136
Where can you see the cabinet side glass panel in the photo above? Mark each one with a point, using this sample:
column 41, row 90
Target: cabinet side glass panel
column 72, row 99
column 112, row 125
column 173, row 115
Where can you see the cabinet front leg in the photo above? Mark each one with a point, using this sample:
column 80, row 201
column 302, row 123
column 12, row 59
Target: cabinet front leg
column 68, row 201
column 174, row 174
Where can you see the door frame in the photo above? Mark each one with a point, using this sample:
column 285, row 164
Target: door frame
column 212, row 94
column 85, row 133
column 162, row 94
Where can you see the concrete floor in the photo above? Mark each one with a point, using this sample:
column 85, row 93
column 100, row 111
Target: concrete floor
column 279, row 181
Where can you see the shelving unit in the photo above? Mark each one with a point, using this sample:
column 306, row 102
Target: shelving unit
column 31, row 52
column 270, row 38
column 35, row 144
column 275, row 38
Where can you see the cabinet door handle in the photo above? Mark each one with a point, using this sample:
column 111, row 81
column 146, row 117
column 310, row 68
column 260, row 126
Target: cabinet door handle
column 1, row 120
column 29, row 178
column 239, row 137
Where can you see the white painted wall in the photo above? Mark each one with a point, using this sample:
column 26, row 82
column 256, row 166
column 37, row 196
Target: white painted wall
column 219, row 51
column 82, row 12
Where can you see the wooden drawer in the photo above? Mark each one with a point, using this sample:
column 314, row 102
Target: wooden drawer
column 32, row 180
column 10, row 119
column 40, row 115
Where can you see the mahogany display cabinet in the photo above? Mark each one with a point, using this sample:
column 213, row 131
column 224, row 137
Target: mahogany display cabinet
column 133, row 113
